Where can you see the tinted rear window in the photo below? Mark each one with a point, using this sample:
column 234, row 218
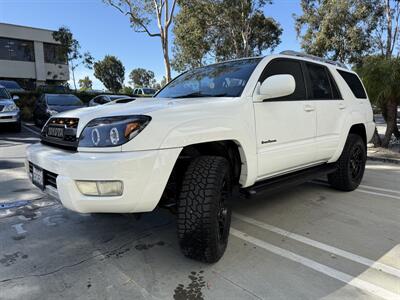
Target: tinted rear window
column 354, row 84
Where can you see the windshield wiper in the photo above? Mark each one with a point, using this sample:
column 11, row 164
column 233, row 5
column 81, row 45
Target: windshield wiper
column 198, row 95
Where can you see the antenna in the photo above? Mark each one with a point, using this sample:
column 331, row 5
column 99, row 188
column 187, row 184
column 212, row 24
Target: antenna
column 313, row 57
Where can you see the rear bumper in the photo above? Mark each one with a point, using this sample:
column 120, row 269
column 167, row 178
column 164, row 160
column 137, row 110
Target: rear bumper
column 10, row 117
column 144, row 175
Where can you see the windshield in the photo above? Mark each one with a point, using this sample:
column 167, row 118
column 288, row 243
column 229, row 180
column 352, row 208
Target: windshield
column 4, row 94
column 10, row 85
column 220, row 80
column 149, row 91
column 64, row 100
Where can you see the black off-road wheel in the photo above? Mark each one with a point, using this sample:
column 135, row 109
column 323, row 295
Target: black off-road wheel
column 204, row 210
column 350, row 166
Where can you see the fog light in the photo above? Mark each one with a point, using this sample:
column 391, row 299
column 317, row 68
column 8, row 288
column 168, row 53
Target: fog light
column 100, row 188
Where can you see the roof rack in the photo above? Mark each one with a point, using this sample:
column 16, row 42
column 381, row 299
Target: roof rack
column 313, row 57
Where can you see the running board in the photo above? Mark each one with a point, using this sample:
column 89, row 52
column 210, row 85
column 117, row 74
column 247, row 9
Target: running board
column 290, row 179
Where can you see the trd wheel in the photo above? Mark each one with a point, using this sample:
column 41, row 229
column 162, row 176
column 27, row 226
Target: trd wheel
column 350, row 166
column 204, row 211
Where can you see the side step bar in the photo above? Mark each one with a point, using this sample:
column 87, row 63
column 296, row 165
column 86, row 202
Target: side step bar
column 292, row 179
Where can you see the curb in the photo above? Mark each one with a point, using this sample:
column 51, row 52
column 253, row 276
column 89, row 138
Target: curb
column 384, row 159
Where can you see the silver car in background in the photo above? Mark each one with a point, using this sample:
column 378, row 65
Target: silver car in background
column 9, row 111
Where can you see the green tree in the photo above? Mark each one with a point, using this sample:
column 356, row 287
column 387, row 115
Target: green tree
column 338, row 29
column 71, row 49
column 126, row 90
column 143, row 14
column 215, row 30
column 381, row 76
column 85, row 84
column 142, row 78
column 111, row 72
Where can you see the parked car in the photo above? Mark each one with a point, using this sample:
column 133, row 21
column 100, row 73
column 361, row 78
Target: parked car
column 243, row 125
column 103, row 99
column 144, row 92
column 48, row 88
column 12, row 86
column 9, row 112
column 48, row 105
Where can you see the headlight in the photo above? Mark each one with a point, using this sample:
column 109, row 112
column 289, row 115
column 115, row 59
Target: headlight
column 112, row 131
column 10, row 107
column 51, row 112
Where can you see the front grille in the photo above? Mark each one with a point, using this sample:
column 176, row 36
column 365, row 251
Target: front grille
column 69, row 141
column 49, row 178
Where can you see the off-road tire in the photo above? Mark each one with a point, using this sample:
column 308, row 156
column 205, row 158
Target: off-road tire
column 204, row 210
column 350, row 166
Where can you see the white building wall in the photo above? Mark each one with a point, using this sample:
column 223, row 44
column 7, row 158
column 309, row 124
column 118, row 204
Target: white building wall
column 38, row 69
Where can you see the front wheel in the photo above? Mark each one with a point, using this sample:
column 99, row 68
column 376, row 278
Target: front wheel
column 350, row 166
column 204, row 210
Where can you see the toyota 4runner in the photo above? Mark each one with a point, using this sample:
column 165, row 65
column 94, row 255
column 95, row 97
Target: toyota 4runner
column 241, row 125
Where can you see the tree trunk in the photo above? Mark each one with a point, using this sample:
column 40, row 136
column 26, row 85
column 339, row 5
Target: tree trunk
column 167, row 63
column 391, row 122
column 376, row 139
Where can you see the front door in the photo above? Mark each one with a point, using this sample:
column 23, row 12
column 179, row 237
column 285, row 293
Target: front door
column 285, row 126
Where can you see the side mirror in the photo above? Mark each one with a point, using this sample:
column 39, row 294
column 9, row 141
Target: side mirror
column 15, row 98
column 277, row 86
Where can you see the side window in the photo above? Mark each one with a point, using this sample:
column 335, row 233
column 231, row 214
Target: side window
column 287, row 66
column 320, row 86
column 139, row 92
column 354, row 84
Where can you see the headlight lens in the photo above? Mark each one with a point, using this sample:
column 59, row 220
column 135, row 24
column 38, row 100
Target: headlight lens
column 112, row 131
column 10, row 107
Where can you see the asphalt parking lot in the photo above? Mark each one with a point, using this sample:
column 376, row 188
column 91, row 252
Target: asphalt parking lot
column 308, row 242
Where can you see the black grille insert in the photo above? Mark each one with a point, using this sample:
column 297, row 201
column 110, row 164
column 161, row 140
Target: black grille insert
column 61, row 133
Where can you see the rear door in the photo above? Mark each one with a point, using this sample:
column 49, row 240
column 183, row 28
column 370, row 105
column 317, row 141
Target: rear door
column 330, row 108
column 285, row 126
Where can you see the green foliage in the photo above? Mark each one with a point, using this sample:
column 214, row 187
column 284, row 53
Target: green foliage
column 110, row 72
column 71, row 49
column 338, row 29
column 215, row 30
column 85, row 84
column 142, row 78
column 381, row 77
column 127, row 90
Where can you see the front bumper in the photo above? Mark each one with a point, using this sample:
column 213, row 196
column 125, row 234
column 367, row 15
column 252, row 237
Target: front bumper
column 10, row 117
column 144, row 175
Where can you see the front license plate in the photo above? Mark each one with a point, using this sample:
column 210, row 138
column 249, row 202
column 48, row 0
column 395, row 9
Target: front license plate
column 37, row 177
column 57, row 132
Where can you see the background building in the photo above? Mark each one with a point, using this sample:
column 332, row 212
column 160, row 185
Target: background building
column 31, row 56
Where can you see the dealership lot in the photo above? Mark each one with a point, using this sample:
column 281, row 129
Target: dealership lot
column 308, row 242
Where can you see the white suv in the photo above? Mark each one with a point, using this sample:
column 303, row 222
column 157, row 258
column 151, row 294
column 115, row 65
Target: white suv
column 240, row 125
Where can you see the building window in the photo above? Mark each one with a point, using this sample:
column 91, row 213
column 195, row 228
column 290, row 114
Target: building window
column 13, row 49
column 54, row 54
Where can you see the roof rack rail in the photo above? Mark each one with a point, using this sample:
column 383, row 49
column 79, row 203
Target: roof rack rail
column 313, row 57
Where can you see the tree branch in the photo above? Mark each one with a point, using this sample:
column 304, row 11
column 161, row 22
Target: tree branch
column 171, row 14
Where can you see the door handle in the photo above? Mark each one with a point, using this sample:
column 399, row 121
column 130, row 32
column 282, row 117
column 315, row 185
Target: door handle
column 342, row 106
column 308, row 108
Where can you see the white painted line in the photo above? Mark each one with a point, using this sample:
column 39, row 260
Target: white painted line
column 305, row 240
column 31, row 130
column 365, row 191
column 378, row 194
column 18, row 228
column 379, row 189
column 333, row 273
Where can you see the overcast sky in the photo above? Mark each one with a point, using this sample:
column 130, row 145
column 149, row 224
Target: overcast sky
column 102, row 30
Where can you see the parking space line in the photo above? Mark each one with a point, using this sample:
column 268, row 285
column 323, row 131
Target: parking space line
column 305, row 240
column 379, row 189
column 31, row 130
column 333, row 273
column 378, row 194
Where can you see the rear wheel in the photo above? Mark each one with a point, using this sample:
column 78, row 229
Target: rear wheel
column 350, row 166
column 204, row 210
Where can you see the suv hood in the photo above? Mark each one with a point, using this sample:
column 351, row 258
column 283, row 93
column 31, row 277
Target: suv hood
column 140, row 106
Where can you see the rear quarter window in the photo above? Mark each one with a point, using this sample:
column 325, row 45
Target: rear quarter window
column 354, row 84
